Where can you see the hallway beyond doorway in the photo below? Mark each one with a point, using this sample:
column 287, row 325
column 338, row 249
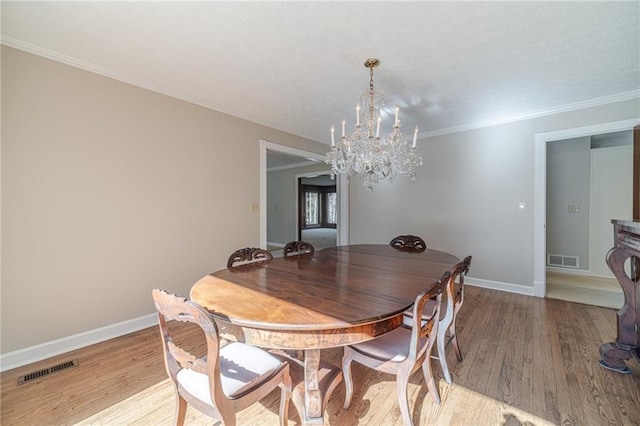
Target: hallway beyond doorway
column 590, row 290
column 320, row 237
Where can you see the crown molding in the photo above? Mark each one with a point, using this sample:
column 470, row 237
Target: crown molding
column 590, row 103
column 97, row 69
column 84, row 65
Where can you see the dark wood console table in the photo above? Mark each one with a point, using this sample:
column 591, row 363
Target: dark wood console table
column 626, row 234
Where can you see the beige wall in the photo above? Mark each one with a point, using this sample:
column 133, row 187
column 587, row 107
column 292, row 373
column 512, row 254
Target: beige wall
column 466, row 196
column 108, row 191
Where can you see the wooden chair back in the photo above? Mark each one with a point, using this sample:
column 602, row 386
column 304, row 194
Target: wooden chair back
column 425, row 319
column 447, row 328
column 460, row 271
column 409, row 243
column 294, row 248
column 173, row 308
column 248, row 255
column 224, row 381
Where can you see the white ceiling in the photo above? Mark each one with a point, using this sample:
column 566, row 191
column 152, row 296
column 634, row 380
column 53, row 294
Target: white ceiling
column 298, row 66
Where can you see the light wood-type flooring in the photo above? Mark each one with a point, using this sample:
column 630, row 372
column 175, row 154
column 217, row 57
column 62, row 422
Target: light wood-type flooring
column 597, row 291
column 527, row 361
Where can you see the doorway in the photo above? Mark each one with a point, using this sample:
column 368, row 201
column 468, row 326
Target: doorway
column 280, row 217
column 317, row 211
column 540, row 186
column 589, row 182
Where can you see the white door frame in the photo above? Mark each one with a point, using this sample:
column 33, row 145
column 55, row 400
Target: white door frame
column 540, row 189
column 342, row 187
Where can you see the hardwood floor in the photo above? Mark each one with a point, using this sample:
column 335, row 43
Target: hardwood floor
column 526, row 361
column 597, row 291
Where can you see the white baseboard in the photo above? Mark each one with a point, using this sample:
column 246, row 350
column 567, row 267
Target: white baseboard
column 497, row 285
column 275, row 244
column 570, row 271
column 46, row 350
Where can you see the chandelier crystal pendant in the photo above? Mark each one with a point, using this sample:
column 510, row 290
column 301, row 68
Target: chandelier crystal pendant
column 368, row 152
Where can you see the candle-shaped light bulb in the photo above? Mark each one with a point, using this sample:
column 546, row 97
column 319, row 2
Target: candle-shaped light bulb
column 343, row 124
column 378, row 127
column 333, row 139
column 396, row 122
column 358, row 114
column 415, row 138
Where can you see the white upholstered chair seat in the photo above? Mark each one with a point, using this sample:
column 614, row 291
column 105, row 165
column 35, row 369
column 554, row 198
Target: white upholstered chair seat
column 392, row 346
column 250, row 367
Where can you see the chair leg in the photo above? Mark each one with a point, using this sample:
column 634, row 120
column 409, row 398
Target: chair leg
column 431, row 383
column 181, row 409
column 454, row 339
column 402, row 383
column 442, row 356
column 285, row 397
column 346, row 374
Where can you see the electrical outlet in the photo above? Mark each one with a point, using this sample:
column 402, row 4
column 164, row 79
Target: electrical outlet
column 574, row 208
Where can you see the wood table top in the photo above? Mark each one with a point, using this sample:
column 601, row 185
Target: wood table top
column 334, row 288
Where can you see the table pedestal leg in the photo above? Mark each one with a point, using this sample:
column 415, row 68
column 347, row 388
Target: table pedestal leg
column 312, row 395
column 313, row 381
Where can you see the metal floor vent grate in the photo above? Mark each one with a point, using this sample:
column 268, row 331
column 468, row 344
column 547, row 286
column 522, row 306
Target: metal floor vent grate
column 563, row 261
column 46, row 371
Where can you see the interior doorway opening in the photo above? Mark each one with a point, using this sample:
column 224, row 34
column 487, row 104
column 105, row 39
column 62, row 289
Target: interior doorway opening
column 279, row 199
column 540, row 185
column 318, row 211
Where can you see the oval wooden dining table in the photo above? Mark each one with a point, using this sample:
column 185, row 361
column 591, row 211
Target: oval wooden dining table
column 333, row 297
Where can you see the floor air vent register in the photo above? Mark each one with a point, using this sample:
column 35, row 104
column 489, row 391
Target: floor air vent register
column 563, row 261
column 47, row 371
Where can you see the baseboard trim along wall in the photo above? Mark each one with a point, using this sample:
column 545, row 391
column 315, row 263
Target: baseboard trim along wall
column 275, row 244
column 46, row 350
column 501, row 286
column 568, row 271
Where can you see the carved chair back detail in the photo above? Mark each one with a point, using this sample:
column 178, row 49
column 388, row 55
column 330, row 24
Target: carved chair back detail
column 409, row 243
column 297, row 247
column 248, row 255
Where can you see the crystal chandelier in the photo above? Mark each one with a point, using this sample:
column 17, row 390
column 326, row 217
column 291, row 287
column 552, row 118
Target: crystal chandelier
column 368, row 152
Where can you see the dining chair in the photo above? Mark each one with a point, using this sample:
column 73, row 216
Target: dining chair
column 402, row 351
column 248, row 255
column 409, row 243
column 226, row 380
column 452, row 302
column 458, row 299
column 294, row 248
